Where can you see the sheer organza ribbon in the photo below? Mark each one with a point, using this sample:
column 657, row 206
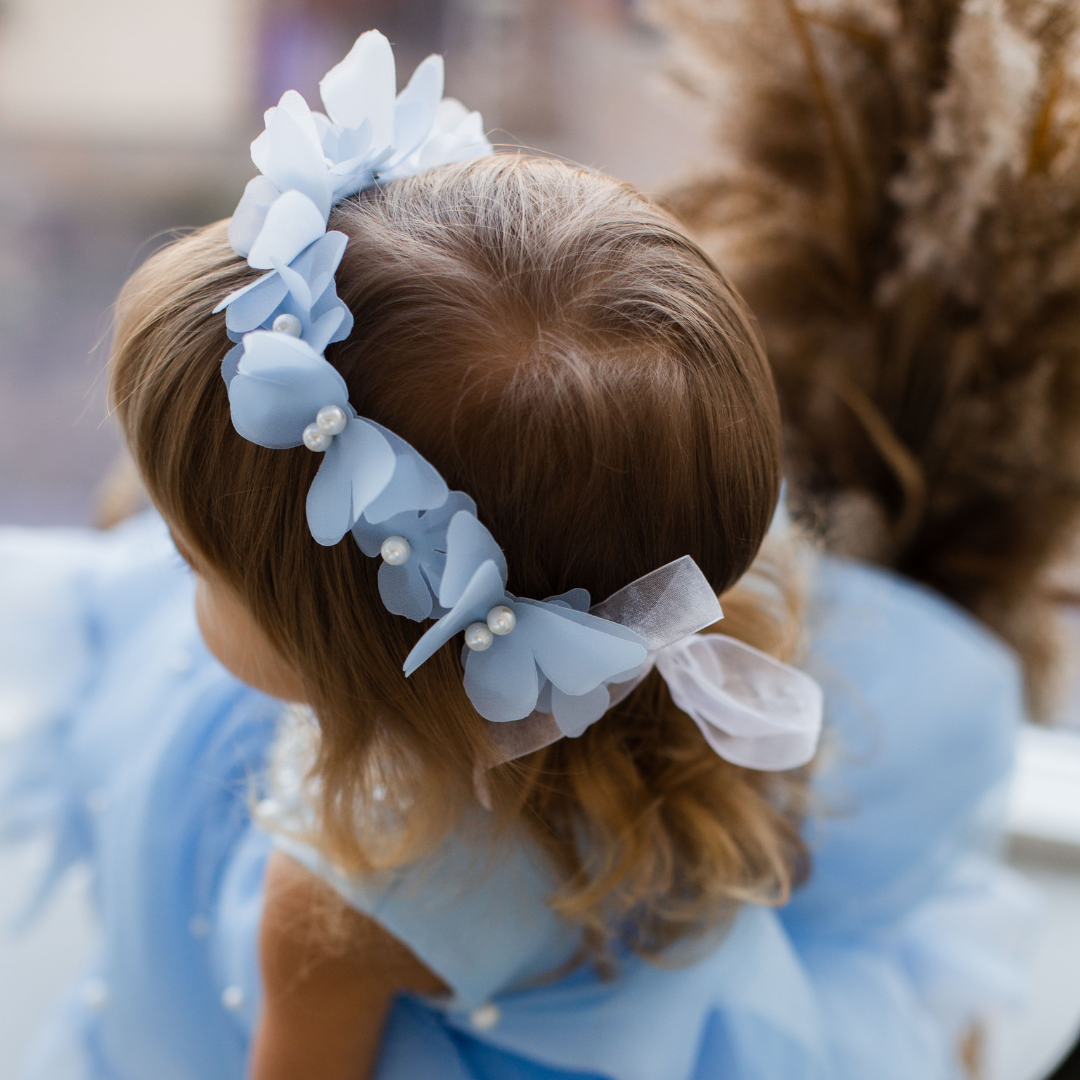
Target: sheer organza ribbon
column 752, row 709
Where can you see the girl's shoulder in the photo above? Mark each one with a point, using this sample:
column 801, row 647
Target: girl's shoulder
column 475, row 910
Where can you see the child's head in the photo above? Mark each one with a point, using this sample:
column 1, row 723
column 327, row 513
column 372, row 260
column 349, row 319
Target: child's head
column 560, row 351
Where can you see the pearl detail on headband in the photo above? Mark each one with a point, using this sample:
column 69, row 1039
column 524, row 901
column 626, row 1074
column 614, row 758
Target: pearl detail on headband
column 395, row 550
column 331, row 419
column 501, row 620
column 316, row 439
column 478, row 637
column 288, row 324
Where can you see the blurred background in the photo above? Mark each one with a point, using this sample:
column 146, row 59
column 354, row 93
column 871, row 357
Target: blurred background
column 122, row 121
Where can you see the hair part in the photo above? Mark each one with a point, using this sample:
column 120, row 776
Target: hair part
column 560, row 351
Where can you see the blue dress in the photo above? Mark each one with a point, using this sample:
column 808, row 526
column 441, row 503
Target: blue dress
column 142, row 758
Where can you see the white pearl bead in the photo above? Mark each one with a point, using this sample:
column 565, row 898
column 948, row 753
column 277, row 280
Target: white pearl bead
column 331, row 419
column 486, row 1017
column 478, row 637
column 501, row 620
column 233, row 998
column 316, row 439
column 288, row 324
column 395, row 550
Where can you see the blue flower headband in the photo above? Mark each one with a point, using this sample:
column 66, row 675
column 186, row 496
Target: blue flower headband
column 536, row 669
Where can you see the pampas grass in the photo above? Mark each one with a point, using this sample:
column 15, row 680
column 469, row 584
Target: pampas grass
column 895, row 189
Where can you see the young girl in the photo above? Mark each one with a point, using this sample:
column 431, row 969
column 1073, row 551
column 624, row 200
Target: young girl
column 550, row 847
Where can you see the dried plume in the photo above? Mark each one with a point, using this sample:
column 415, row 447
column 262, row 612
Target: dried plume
column 895, row 189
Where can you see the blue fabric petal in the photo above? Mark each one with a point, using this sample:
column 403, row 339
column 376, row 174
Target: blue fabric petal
column 543, row 699
column 280, row 385
column 456, row 502
column 351, row 144
column 405, row 591
column 292, row 223
column 290, row 155
column 231, row 363
column 416, row 106
column 363, row 87
column 252, row 306
column 426, row 533
column 369, row 537
column 248, row 218
column 483, row 592
column 468, row 544
column 357, row 466
column 323, row 330
column 574, row 650
column 329, row 500
column 502, row 681
column 417, row 484
column 305, row 289
column 578, row 599
column 298, row 285
column 574, row 714
column 434, row 525
column 319, row 262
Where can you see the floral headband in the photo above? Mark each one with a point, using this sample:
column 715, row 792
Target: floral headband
column 537, row 670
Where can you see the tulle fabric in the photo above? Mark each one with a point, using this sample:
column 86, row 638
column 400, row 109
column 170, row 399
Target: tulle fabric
column 873, row 970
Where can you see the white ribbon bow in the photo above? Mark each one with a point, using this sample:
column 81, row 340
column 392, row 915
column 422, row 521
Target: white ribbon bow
column 753, row 710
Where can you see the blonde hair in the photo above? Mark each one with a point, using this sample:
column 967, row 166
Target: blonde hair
column 561, row 351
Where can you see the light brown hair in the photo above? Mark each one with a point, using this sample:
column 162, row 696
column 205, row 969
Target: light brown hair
column 561, row 351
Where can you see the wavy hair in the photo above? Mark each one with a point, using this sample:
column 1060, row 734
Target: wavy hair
column 561, row 351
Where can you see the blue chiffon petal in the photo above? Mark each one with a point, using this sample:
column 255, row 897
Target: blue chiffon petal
column 249, row 308
column 502, row 682
column 357, row 466
column 289, row 153
column 576, row 651
column 404, row 590
column 298, row 285
column 414, row 112
column 574, row 714
column 371, row 460
column 363, row 87
column 329, row 499
column 483, row 592
column 249, row 216
column 280, row 385
column 577, row 599
column 324, row 329
column 231, row 363
column 292, row 223
column 543, row 699
column 417, row 484
column 468, row 545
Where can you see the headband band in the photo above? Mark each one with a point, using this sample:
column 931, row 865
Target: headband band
column 535, row 669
